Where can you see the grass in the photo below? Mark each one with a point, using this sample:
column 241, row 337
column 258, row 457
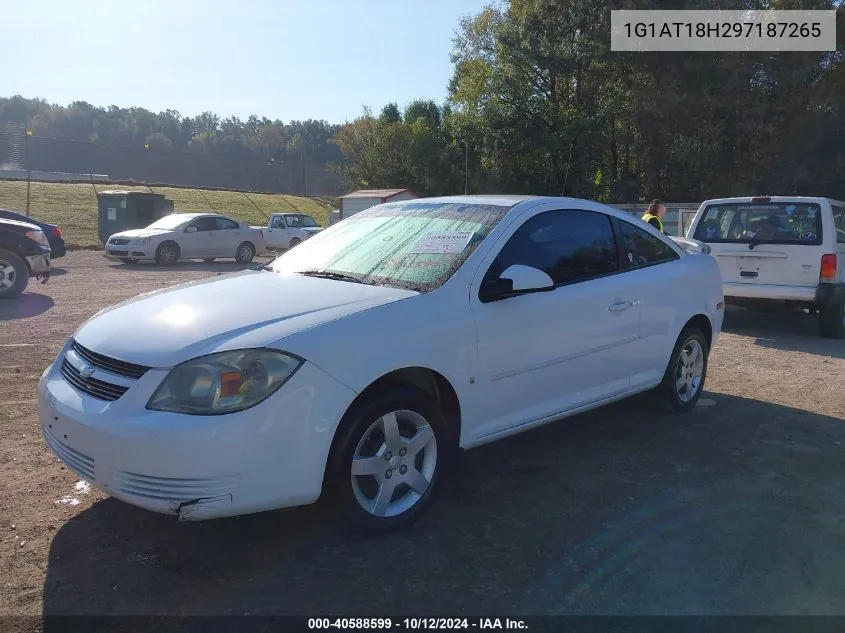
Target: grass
column 73, row 206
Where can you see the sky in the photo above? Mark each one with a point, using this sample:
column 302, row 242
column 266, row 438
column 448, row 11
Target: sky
column 283, row 59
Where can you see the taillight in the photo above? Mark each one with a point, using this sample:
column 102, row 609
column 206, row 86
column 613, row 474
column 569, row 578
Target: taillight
column 828, row 270
column 57, row 232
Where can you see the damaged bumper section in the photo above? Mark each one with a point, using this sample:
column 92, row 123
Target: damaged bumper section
column 270, row 456
column 39, row 266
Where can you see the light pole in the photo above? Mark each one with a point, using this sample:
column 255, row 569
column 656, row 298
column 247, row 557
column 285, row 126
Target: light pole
column 27, row 134
column 466, row 167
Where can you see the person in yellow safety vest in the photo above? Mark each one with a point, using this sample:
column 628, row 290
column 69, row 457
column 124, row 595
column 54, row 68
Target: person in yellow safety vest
column 654, row 215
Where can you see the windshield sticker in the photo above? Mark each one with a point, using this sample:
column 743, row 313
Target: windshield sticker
column 450, row 243
column 808, row 235
column 790, row 209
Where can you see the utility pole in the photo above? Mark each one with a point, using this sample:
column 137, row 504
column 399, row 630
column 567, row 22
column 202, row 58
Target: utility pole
column 27, row 134
column 466, row 167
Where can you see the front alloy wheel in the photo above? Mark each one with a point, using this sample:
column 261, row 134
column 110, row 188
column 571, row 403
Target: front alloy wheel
column 394, row 463
column 387, row 459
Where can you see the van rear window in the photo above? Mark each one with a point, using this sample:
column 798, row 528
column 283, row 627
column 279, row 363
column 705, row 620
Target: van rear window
column 763, row 223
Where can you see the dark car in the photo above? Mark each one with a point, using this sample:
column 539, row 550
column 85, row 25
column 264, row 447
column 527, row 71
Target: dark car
column 54, row 235
column 24, row 253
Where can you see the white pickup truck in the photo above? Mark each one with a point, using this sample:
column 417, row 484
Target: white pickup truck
column 286, row 230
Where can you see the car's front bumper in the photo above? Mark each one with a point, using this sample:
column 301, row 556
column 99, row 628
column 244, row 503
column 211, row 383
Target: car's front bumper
column 196, row 467
column 129, row 251
column 39, row 264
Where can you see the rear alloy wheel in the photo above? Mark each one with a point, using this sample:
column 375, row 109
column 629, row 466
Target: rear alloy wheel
column 832, row 320
column 167, row 254
column 245, row 253
column 388, row 458
column 14, row 274
column 684, row 379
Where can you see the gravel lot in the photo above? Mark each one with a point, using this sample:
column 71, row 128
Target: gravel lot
column 738, row 508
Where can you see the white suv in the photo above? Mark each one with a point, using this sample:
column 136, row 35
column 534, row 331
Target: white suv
column 779, row 250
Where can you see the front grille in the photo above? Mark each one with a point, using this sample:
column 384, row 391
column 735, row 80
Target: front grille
column 119, row 253
column 176, row 490
column 78, row 462
column 93, row 387
column 109, row 364
column 119, row 241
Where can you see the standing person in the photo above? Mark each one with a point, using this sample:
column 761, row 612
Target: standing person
column 654, row 215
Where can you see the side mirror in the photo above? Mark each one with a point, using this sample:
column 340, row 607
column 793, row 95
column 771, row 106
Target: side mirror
column 191, row 229
column 516, row 280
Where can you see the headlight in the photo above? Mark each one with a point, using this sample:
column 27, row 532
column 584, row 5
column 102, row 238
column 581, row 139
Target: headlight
column 38, row 236
column 143, row 240
column 224, row 383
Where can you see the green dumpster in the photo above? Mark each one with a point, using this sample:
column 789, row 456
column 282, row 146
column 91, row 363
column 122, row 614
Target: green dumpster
column 123, row 210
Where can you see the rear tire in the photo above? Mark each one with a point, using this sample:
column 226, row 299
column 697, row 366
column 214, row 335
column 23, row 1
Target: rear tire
column 400, row 442
column 14, row 274
column 294, row 242
column 245, row 253
column 832, row 320
column 167, row 254
column 683, row 382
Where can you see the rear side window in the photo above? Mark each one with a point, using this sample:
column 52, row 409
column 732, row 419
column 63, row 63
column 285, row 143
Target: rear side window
column 641, row 249
column 224, row 224
column 839, row 223
column 761, row 223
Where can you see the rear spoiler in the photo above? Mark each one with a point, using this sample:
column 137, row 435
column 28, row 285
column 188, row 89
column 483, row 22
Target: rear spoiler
column 691, row 246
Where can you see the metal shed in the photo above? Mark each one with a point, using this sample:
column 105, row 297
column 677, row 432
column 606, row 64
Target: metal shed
column 123, row 210
column 357, row 201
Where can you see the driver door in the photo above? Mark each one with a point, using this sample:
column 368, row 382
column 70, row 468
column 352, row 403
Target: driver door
column 198, row 242
column 545, row 353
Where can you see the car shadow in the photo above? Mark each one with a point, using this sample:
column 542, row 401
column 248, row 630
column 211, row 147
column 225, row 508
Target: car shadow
column 190, row 265
column 617, row 511
column 27, row 305
column 787, row 331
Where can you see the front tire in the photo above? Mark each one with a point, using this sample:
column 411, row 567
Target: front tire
column 683, row 382
column 388, row 458
column 167, row 254
column 294, row 241
column 245, row 253
column 14, row 274
column 832, row 320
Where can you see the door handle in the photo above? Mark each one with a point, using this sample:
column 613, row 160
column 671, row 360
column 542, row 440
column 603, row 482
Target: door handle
column 620, row 306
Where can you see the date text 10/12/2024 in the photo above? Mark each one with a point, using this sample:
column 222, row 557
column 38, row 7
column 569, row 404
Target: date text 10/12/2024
column 415, row 624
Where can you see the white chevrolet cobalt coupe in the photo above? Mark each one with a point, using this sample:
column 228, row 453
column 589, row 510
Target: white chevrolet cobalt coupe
column 354, row 365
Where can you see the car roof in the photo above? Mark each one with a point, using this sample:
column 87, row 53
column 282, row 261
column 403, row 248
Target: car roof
column 749, row 199
column 496, row 200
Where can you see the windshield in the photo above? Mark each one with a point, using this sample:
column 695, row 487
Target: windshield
column 412, row 245
column 301, row 221
column 769, row 222
column 169, row 222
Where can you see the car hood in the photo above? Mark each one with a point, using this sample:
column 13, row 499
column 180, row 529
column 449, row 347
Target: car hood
column 239, row 310
column 136, row 233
